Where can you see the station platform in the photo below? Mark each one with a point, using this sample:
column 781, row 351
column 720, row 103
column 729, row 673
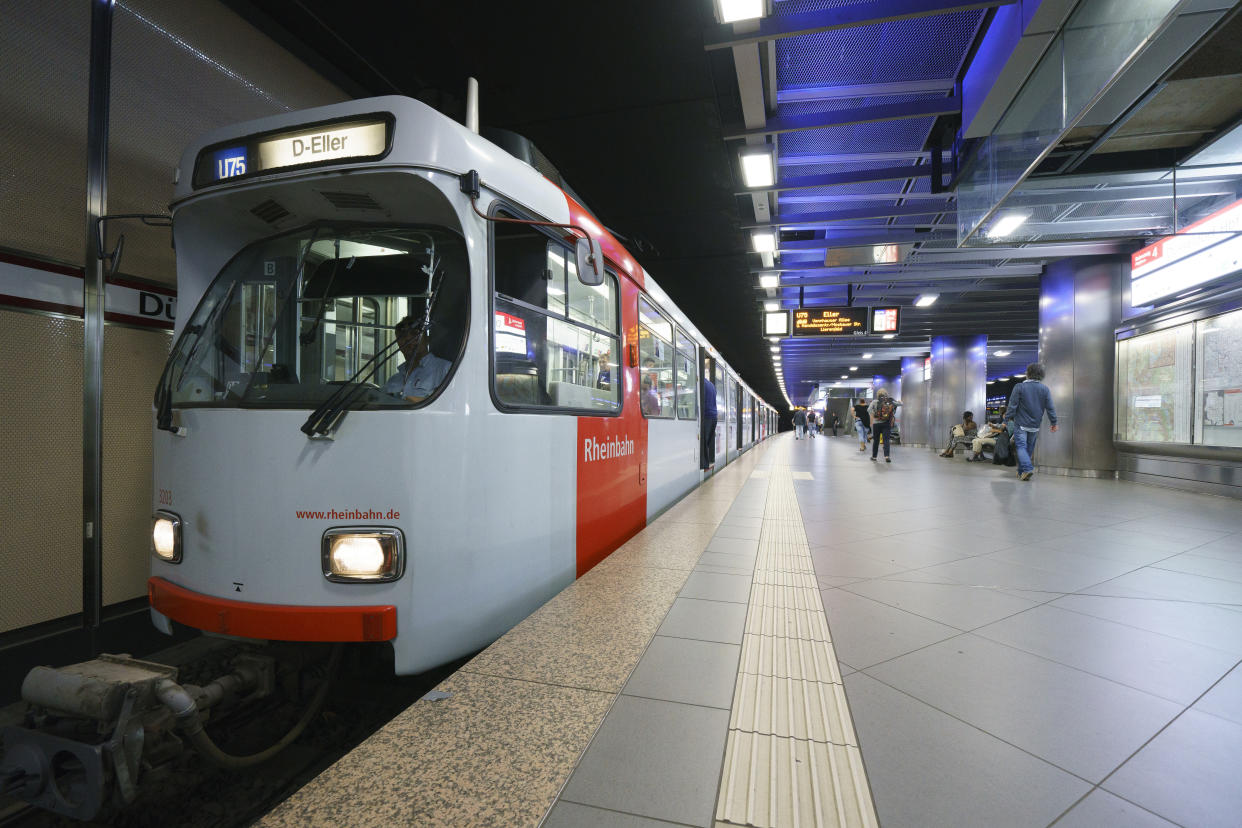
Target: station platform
column 811, row 638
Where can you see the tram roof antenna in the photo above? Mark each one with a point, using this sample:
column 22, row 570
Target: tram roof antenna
column 472, row 105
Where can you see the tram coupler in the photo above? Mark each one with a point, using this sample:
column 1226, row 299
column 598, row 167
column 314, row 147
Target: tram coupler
column 92, row 727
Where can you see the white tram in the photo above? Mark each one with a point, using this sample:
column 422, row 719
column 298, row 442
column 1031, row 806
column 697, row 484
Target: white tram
column 392, row 416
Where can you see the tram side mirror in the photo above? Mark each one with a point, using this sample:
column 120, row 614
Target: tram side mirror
column 590, row 262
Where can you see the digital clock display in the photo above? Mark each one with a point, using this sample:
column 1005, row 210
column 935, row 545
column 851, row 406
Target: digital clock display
column 228, row 163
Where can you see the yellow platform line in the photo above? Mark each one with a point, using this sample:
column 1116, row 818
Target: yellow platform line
column 792, row 757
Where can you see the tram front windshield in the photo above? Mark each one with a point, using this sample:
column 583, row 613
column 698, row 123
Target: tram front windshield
column 292, row 318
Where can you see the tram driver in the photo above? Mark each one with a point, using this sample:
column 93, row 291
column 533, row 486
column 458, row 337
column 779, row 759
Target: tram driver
column 422, row 372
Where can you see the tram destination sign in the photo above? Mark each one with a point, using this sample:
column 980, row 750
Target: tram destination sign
column 851, row 321
column 367, row 137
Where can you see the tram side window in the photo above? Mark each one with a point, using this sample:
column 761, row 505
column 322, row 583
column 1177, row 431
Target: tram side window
column 656, row 392
column 687, row 380
column 555, row 340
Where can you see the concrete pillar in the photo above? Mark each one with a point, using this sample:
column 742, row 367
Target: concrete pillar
column 958, row 382
column 1079, row 308
column 913, row 411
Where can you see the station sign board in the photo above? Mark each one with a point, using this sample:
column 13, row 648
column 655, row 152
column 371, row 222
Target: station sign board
column 846, row 321
column 1201, row 252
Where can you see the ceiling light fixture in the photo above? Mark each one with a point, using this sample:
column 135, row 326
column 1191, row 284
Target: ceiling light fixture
column 866, row 356
column 1001, row 353
column 890, row 336
column 731, row 11
column 764, row 241
column 771, row 306
column 845, row 376
column 925, row 299
column 769, row 280
column 1005, row 225
column 758, row 166
column 853, row 367
column 775, row 349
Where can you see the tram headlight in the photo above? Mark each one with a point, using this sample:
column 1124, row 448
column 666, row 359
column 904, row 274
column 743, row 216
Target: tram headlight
column 363, row 554
column 166, row 537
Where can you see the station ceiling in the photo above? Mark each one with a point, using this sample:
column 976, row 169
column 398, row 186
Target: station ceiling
column 643, row 106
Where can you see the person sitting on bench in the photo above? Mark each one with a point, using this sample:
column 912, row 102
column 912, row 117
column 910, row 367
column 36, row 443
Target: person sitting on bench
column 985, row 439
column 962, row 433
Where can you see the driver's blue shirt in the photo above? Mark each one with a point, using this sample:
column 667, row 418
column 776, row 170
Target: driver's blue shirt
column 422, row 381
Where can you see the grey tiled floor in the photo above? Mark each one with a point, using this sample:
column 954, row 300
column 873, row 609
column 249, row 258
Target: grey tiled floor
column 1063, row 651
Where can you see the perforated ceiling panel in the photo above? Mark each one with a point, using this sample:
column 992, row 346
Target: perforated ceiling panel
column 215, row 69
column 44, row 49
column 914, row 49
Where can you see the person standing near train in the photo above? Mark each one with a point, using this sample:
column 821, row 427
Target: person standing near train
column 707, row 438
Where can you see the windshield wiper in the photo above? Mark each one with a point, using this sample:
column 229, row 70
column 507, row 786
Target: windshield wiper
column 326, row 417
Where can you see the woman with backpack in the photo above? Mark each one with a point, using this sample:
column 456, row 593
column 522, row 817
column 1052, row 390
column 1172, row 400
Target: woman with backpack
column 883, row 410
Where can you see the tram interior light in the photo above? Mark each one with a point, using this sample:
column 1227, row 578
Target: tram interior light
column 758, row 167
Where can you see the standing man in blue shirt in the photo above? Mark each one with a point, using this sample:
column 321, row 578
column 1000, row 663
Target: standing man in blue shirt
column 1027, row 404
column 707, row 440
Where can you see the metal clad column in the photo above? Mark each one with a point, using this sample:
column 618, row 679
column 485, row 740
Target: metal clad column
column 914, row 402
column 93, row 313
column 1079, row 307
column 958, row 383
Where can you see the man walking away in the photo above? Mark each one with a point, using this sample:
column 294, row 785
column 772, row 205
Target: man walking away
column 810, row 423
column 836, row 423
column 862, row 423
column 799, row 419
column 1027, row 404
column 882, row 410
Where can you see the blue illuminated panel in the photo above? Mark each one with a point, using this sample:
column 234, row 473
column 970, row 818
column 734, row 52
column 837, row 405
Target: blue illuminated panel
column 227, row 163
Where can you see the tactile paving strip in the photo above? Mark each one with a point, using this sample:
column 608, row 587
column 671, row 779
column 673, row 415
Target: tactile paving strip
column 792, row 757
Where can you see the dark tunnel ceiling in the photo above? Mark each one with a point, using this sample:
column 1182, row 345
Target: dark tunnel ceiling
column 622, row 97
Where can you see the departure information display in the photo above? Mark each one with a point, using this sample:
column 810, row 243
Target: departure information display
column 830, row 321
column 885, row 320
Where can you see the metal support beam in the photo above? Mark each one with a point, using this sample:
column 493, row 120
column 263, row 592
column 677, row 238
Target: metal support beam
column 806, row 182
column 842, row 17
column 866, row 239
column 93, row 315
column 951, row 105
column 886, row 210
column 837, row 92
column 851, row 158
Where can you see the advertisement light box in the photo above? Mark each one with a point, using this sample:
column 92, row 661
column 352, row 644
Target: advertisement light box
column 830, row 321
